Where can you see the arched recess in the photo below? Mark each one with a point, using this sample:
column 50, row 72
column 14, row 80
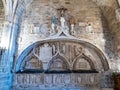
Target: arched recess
column 31, row 63
column 83, row 63
column 100, row 62
column 58, row 62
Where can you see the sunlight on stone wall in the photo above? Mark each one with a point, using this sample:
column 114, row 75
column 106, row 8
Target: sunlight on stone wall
column 1, row 18
column 39, row 14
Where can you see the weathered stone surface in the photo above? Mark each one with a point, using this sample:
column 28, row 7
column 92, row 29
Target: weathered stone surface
column 94, row 21
column 36, row 22
column 2, row 18
column 24, row 81
column 109, row 8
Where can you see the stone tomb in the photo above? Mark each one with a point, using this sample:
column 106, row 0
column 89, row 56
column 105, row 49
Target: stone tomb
column 66, row 63
column 40, row 81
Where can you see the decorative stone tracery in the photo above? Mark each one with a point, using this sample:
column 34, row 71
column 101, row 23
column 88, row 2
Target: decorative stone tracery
column 63, row 55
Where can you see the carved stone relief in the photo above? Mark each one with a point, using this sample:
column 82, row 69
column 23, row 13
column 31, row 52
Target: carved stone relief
column 61, row 21
column 24, row 81
column 58, row 56
column 33, row 64
column 58, row 64
column 82, row 64
column 61, row 55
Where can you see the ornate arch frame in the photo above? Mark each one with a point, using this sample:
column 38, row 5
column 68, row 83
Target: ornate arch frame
column 27, row 58
column 88, row 59
column 103, row 60
column 60, row 57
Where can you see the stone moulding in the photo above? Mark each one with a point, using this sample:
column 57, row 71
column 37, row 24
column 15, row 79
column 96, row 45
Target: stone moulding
column 56, row 72
column 101, row 61
column 25, row 81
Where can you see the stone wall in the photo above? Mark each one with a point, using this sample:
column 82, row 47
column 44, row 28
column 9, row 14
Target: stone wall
column 39, row 14
column 3, row 69
column 2, row 18
column 109, row 9
column 53, row 81
column 90, row 25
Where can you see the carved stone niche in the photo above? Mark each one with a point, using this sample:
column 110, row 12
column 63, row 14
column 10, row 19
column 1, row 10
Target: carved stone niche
column 82, row 64
column 33, row 63
column 58, row 63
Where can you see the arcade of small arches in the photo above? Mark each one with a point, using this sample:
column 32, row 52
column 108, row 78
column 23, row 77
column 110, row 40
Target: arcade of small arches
column 58, row 55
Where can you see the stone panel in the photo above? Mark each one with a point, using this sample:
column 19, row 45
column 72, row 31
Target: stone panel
column 24, row 81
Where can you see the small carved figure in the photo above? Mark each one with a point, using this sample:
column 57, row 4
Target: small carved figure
column 72, row 24
column 54, row 23
column 62, row 20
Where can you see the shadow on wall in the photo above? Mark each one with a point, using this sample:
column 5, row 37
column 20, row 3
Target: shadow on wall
column 108, row 38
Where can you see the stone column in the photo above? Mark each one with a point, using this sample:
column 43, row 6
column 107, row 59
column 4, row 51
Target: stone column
column 5, row 43
column 8, row 42
column 12, row 47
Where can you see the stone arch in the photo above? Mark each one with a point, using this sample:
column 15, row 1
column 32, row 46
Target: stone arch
column 58, row 62
column 31, row 62
column 103, row 63
column 84, row 62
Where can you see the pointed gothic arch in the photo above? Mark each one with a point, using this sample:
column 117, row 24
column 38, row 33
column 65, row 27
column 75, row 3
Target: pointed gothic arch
column 58, row 62
column 31, row 62
column 83, row 62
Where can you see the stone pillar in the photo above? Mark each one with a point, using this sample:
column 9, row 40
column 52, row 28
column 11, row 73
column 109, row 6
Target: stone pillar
column 12, row 48
column 5, row 70
column 9, row 44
